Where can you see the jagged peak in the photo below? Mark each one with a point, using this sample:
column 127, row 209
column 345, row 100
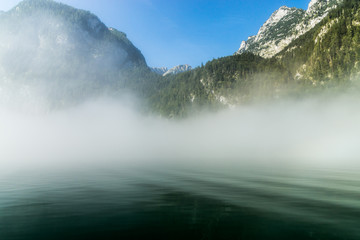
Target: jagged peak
column 242, row 46
column 317, row 5
column 282, row 12
column 159, row 70
column 286, row 24
column 178, row 69
column 312, row 3
column 278, row 14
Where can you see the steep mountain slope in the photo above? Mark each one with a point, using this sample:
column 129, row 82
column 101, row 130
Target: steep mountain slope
column 62, row 51
column 67, row 54
column 275, row 33
column 330, row 53
column 43, row 29
column 285, row 25
column 325, row 59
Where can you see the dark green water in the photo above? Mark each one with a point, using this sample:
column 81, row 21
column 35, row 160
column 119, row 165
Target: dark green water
column 181, row 204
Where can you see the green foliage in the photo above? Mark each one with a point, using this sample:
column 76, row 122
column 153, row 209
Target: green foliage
column 328, row 54
column 326, row 57
column 247, row 76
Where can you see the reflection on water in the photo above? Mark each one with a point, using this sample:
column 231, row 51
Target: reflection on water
column 181, row 204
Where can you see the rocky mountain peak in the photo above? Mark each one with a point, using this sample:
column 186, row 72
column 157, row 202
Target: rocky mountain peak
column 279, row 14
column 283, row 14
column 312, row 4
column 320, row 7
column 159, row 70
column 172, row 71
column 285, row 25
column 178, row 69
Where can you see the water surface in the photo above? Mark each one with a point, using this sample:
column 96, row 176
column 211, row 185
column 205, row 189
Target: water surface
column 181, row 203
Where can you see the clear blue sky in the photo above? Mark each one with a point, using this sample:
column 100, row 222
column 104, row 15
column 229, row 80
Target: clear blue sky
column 173, row 32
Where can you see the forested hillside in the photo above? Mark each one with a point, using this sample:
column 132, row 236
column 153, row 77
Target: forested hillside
column 330, row 53
column 64, row 55
column 326, row 57
column 72, row 56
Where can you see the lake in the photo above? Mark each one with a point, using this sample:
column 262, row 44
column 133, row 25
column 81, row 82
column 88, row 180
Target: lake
column 181, row 203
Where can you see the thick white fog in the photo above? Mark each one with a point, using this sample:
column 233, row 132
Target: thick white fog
column 109, row 133
column 47, row 60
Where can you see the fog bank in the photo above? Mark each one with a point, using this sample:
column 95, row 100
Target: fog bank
column 108, row 133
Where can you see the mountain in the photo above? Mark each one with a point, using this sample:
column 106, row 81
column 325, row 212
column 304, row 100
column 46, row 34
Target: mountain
column 329, row 54
column 66, row 55
column 178, row 69
column 325, row 59
column 159, row 70
column 285, row 25
column 164, row 71
column 38, row 29
column 62, row 51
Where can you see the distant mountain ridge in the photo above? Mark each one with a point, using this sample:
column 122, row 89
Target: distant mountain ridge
column 164, row 71
column 178, row 69
column 323, row 61
column 159, row 70
column 72, row 55
column 285, row 25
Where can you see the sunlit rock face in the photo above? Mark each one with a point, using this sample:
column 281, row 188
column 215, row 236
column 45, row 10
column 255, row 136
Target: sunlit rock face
column 285, row 25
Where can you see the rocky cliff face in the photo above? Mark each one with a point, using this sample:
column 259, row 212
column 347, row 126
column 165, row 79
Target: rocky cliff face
column 285, row 25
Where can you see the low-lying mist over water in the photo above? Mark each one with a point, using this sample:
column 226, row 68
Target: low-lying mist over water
column 104, row 131
column 102, row 170
column 94, row 145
